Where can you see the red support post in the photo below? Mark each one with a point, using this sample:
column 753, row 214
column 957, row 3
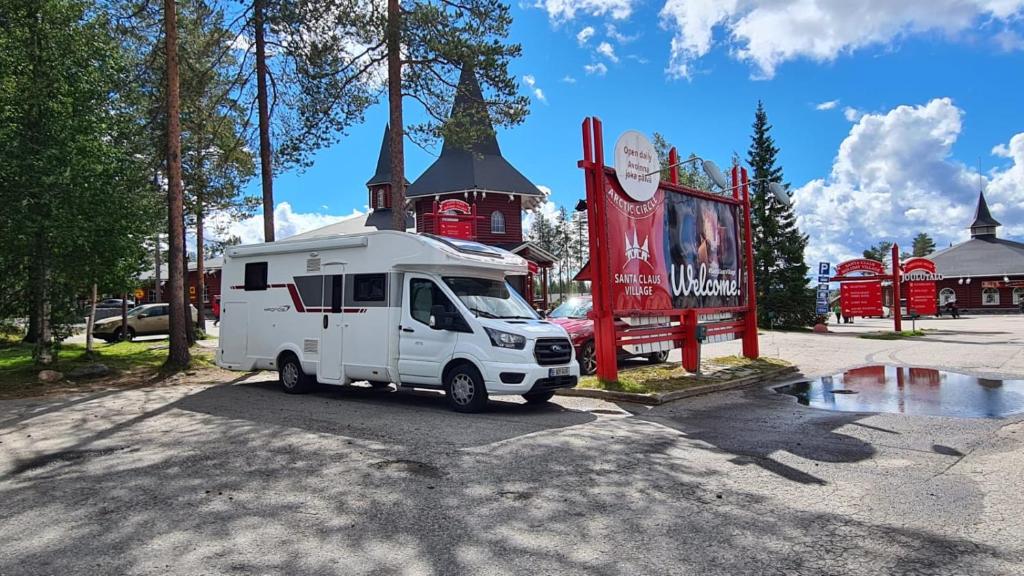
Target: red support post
column 751, row 349
column 897, row 314
column 673, row 161
column 604, row 322
column 691, row 356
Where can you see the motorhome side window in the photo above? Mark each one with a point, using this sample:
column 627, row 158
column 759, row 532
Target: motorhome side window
column 424, row 295
column 369, row 287
column 256, row 276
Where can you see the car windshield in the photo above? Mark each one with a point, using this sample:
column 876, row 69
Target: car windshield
column 490, row 298
column 572, row 308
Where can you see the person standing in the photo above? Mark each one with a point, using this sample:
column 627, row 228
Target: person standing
column 839, row 313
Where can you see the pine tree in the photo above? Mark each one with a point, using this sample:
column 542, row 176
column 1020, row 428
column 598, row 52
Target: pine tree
column 780, row 272
column 881, row 252
column 923, row 245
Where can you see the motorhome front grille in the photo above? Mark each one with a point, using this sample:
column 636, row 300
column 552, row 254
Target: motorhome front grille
column 553, row 351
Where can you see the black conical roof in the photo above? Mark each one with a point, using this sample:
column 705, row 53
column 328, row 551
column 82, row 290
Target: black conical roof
column 383, row 173
column 476, row 166
column 982, row 217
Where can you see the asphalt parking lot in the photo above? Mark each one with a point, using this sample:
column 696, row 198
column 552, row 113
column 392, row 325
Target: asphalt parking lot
column 235, row 477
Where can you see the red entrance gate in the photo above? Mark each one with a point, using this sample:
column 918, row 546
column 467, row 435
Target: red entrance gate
column 678, row 254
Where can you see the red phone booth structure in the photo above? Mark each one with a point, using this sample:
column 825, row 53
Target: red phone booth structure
column 682, row 254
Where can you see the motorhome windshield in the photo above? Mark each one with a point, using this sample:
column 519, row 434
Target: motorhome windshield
column 490, row 298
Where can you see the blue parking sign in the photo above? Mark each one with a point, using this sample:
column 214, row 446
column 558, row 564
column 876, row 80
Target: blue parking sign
column 824, row 268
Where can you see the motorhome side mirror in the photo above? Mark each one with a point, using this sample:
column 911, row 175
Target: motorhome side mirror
column 441, row 319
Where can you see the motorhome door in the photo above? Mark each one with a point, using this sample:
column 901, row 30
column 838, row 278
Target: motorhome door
column 331, row 325
column 423, row 350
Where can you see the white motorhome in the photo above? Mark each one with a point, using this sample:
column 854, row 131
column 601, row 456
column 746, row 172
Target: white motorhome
column 387, row 307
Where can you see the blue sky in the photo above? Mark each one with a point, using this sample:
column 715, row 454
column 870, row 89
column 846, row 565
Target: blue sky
column 922, row 91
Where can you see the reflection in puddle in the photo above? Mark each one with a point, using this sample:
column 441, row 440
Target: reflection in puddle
column 904, row 390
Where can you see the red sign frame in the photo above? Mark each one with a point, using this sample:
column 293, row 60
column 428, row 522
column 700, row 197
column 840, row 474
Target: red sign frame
column 607, row 209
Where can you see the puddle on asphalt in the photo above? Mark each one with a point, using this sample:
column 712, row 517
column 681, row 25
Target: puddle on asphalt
column 902, row 390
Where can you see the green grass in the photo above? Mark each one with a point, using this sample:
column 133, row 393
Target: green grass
column 672, row 377
column 893, row 335
column 18, row 372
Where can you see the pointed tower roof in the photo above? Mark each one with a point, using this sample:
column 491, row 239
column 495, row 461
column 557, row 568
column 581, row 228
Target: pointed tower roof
column 478, row 166
column 383, row 173
column 984, row 224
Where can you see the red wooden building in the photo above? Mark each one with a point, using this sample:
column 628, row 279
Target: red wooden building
column 984, row 274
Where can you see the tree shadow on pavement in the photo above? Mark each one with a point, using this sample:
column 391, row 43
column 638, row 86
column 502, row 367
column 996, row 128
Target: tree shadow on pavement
column 753, row 429
column 194, row 487
column 362, row 412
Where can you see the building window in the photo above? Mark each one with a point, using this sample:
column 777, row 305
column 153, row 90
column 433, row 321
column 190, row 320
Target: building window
column 256, row 276
column 946, row 295
column 497, row 222
column 990, row 297
column 380, row 198
column 1018, row 296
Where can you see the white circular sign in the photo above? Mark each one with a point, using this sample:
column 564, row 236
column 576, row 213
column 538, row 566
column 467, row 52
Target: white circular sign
column 637, row 166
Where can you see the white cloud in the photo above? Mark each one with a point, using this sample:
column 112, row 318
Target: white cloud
column 830, row 105
column 619, row 37
column 569, row 79
column 894, row 176
column 565, row 10
column 286, row 223
column 531, row 81
column 767, row 33
column 597, row 68
column 852, row 114
column 585, row 35
column 605, row 49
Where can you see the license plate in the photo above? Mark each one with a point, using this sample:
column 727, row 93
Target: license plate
column 562, row 371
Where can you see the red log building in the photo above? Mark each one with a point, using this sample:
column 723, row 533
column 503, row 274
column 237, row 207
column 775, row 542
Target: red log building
column 984, row 274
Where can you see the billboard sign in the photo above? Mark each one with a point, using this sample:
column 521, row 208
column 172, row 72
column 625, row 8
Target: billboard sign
column 860, row 265
column 673, row 251
column 920, row 276
column 861, row 298
column 455, row 219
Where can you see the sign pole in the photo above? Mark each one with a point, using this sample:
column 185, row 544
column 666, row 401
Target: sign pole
column 750, row 344
column 604, row 323
column 897, row 315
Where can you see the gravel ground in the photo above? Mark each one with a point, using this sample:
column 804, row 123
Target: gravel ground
column 237, row 478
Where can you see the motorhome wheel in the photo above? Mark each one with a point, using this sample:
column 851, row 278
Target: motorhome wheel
column 292, row 378
column 465, row 389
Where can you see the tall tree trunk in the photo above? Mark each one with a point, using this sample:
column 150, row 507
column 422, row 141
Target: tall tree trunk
column 43, row 351
column 266, row 164
column 394, row 41
column 32, row 334
column 124, row 316
column 178, row 356
column 156, row 260
column 200, row 269
column 91, row 321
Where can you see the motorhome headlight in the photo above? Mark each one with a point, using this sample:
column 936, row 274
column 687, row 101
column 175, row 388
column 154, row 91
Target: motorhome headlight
column 506, row 339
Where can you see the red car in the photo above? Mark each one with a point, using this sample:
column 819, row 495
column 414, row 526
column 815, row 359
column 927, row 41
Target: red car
column 572, row 315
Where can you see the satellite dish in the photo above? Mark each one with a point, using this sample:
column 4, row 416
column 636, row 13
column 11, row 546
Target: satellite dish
column 715, row 174
column 780, row 193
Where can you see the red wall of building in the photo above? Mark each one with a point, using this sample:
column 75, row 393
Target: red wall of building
column 969, row 295
column 511, row 209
